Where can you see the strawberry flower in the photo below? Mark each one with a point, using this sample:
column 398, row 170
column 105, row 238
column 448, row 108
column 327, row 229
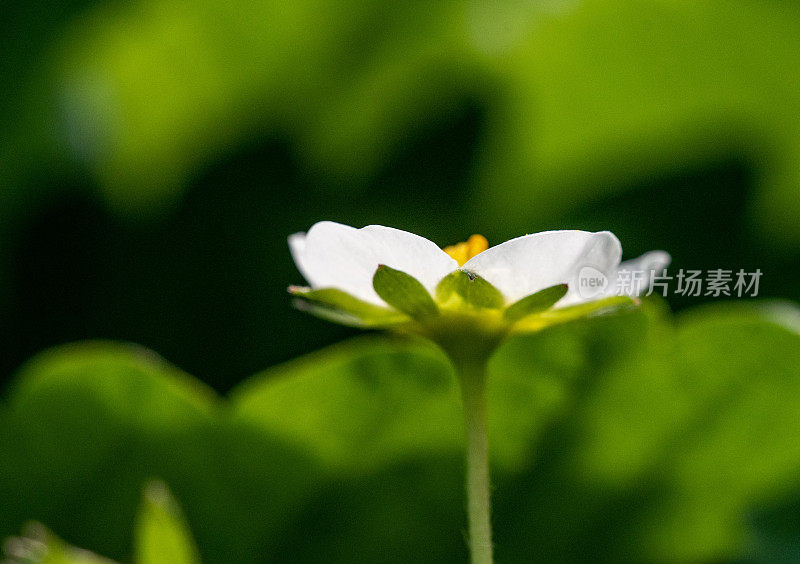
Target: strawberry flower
column 379, row 276
column 465, row 298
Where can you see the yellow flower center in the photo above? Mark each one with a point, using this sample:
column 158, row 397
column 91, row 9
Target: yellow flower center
column 464, row 251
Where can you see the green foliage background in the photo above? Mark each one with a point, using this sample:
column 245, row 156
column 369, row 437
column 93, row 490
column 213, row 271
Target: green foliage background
column 155, row 154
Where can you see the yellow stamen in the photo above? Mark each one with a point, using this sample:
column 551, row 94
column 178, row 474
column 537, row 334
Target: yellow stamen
column 462, row 252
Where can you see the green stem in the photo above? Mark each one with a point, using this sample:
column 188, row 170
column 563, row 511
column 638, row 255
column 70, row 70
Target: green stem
column 472, row 378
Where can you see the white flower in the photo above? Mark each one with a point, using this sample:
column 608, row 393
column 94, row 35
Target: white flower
column 332, row 255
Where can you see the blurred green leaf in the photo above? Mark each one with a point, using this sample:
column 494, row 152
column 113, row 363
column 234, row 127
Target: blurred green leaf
column 626, row 437
column 88, row 424
column 40, row 546
column 162, row 534
column 359, row 405
column 148, row 94
column 687, row 434
column 591, row 115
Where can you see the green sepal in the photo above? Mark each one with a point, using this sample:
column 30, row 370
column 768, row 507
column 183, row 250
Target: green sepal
column 612, row 305
column 340, row 307
column 403, row 292
column 470, row 289
column 535, row 303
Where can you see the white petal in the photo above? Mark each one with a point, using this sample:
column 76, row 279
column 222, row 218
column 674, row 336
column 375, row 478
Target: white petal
column 527, row 264
column 297, row 244
column 642, row 270
column 653, row 260
column 332, row 255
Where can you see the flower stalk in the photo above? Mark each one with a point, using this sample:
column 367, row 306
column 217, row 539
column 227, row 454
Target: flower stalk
column 472, row 380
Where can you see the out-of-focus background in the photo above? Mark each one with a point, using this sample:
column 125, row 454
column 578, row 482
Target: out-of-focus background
column 155, row 154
